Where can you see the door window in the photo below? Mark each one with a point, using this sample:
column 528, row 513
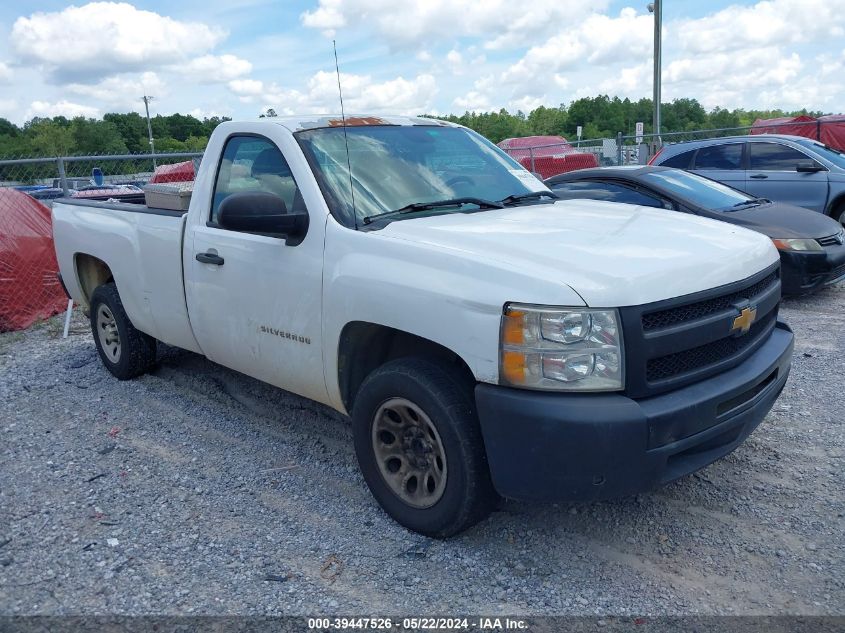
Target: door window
column 681, row 161
column 255, row 164
column 727, row 156
column 774, row 157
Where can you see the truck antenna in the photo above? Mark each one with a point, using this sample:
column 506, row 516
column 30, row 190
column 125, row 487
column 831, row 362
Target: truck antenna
column 345, row 138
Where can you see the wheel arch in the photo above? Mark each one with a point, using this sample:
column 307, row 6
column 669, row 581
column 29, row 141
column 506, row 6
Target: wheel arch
column 365, row 346
column 91, row 272
column 837, row 204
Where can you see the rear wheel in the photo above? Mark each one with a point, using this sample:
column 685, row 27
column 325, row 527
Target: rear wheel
column 125, row 351
column 420, row 448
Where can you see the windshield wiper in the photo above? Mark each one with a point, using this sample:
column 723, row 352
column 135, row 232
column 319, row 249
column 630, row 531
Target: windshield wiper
column 754, row 202
column 519, row 197
column 425, row 206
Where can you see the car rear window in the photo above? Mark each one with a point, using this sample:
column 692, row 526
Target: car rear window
column 607, row 191
column 728, row 156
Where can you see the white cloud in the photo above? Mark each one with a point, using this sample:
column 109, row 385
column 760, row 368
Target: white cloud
column 479, row 98
column 5, row 72
column 767, row 23
column 526, row 104
column 216, row 69
column 103, row 38
column 125, row 90
column 361, row 94
column 8, row 108
column 201, row 113
column 246, row 87
column 632, row 81
column 599, row 41
column 60, row 108
column 406, row 24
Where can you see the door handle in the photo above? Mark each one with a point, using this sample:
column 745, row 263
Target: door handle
column 210, row 258
column 759, row 176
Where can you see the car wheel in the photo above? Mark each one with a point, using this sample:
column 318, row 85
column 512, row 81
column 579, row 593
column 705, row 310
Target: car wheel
column 125, row 351
column 839, row 214
column 420, row 448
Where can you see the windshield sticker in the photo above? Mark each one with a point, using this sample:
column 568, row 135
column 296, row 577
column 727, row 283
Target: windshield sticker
column 529, row 180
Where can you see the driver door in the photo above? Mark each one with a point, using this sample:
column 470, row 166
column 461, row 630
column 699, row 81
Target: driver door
column 255, row 302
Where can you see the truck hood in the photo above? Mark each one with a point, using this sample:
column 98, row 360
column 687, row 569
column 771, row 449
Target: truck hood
column 612, row 255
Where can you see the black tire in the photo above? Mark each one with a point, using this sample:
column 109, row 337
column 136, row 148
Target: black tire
column 839, row 214
column 444, row 396
column 136, row 350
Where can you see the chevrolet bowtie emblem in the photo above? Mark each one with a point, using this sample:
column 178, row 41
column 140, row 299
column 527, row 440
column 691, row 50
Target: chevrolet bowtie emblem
column 743, row 322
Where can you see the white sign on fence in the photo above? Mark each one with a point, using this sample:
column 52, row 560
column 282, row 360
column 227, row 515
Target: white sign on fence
column 640, row 130
column 578, row 131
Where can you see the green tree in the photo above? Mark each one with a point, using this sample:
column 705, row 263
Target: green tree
column 47, row 138
column 133, row 130
column 97, row 137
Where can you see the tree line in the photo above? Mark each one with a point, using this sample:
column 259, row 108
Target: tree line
column 115, row 133
column 599, row 117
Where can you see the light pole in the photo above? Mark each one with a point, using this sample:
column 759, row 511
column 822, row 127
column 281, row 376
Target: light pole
column 149, row 127
column 656, row 8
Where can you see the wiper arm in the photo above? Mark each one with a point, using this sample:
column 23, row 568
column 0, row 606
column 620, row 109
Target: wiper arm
column 518, row 197
column 424, row 206
column 749, row 203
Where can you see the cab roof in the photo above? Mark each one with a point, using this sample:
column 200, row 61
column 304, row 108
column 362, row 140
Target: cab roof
column 309, row 122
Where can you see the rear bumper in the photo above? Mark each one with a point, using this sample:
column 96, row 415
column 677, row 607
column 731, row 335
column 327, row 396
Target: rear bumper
column 572, row 447
column 803, row 273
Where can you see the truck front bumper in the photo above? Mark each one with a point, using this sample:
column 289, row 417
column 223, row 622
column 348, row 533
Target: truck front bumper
column 575, row 447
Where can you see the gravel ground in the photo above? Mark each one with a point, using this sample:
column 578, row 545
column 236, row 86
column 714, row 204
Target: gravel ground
column 198, row 490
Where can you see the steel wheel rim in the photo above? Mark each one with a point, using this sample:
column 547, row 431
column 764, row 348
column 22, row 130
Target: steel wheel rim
column 409, row 453
column 108, row 333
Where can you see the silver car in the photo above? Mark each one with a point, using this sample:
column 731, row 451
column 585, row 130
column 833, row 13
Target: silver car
column 782, row 168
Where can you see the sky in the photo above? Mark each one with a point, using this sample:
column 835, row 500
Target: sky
column 237, row 58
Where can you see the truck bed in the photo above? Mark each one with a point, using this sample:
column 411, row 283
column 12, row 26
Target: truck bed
column 142, row 247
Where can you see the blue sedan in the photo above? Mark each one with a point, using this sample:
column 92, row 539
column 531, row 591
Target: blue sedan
column 779, row 167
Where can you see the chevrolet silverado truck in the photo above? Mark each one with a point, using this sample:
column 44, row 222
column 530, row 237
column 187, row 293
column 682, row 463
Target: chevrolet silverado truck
column 486, row 339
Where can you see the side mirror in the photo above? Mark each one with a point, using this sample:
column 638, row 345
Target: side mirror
column 808, row 166
column 260, row 212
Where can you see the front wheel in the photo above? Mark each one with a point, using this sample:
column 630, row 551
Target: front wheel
column 125, row 351
column 839, row 214
column 420, row 448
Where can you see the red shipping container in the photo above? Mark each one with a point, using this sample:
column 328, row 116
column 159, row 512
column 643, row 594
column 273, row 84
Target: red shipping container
column 552, row 155
column 829, row 129
column 177, row 172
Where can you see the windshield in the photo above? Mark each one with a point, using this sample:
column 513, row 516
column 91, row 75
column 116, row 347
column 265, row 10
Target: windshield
column 701, row 191
column 835, row 156
column 394, row 166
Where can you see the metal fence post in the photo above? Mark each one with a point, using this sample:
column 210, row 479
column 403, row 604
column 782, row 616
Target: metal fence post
column 531, row 154
column 619, row 149
column 60, row 163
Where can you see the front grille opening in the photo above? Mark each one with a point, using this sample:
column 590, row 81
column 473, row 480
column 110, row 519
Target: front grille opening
column 673, row 365
column 746, row 396
column 831, row 240
column 700, row 309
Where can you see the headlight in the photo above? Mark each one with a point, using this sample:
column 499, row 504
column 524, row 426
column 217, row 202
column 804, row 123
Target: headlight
column 564, row 349
column 801, row 245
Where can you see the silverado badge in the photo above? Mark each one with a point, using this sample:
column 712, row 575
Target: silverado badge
column 744, row 320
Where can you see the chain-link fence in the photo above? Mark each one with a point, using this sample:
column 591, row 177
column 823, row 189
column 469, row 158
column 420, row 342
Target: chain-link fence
column 29, row 286
column 549, row 159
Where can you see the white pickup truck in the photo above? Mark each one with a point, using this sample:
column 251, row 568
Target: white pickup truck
column 486, row 339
